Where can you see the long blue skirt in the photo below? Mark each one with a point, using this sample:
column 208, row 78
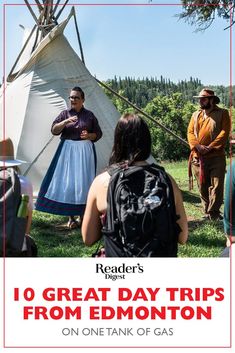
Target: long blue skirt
column 66, row 184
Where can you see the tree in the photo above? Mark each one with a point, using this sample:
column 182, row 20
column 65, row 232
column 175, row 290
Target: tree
column 203, row 12
column 174, row 113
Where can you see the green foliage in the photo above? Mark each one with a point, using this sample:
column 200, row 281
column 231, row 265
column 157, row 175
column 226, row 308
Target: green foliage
column 233, row 119
column 203, row 16
column 225, row 94
column 142, row 91
column 169, row 103
column 173, row 113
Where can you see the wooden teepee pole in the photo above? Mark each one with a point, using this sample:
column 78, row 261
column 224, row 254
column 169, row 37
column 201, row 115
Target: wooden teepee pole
column 40, row 7
column 78, row 36
column 20, row 53
column 34, row 16
column 61, row 10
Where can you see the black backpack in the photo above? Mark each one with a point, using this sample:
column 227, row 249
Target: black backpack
column 12, row 228
column 141, row 217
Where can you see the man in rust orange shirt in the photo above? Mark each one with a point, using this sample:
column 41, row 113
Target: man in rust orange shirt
column 208, row 132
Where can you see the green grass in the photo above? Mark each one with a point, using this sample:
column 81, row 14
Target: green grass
column 206, row 238
column 53, row 240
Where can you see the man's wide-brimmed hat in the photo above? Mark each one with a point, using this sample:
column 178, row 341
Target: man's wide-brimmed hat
column 7, row 158
column 208, row 93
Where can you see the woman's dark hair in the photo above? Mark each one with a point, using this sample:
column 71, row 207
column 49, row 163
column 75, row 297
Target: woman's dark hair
column 132, row 140
column 78, row 89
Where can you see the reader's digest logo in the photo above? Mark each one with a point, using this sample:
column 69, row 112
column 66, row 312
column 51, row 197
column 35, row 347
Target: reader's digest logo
column 118, row 272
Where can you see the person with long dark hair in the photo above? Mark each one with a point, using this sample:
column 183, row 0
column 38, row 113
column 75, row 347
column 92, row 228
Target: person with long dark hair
column 132, row 147
column 72, row 170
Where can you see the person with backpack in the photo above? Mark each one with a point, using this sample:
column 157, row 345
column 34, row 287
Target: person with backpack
column 136, row 206
column 14, row 229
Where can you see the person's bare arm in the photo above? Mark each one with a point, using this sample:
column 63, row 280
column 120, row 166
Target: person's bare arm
column 91, row 225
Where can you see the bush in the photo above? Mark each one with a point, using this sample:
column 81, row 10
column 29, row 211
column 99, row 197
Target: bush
column 174, row 113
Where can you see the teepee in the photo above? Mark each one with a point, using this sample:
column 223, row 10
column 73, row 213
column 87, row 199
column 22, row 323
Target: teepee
column 37, row 90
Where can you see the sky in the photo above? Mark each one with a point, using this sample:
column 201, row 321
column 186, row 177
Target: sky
column 134, row 38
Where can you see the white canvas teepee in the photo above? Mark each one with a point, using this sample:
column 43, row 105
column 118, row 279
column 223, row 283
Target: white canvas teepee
column 39, row 92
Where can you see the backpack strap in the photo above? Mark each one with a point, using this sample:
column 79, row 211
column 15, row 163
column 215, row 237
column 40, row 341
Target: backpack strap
column 15, row 180
column 133, row 168
column 158, row 168
column 114, row 168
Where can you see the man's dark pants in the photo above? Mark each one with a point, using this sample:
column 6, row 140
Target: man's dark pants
column 212, row 188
